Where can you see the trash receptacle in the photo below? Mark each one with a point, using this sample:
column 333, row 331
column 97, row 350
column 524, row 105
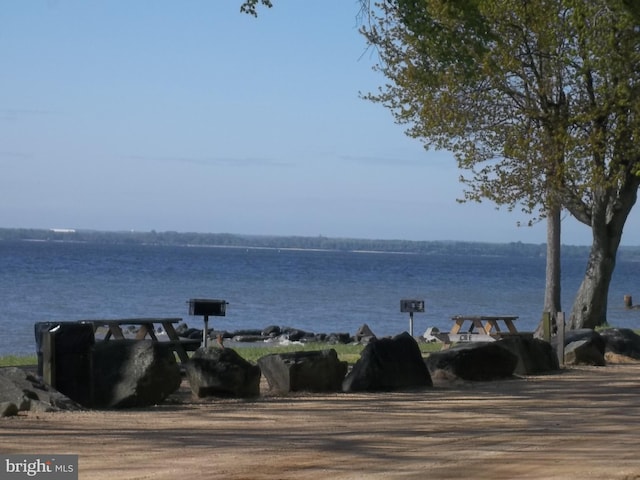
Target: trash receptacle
column 64, row 358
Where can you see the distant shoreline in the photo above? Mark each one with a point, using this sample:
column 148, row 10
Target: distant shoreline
column 319, row 243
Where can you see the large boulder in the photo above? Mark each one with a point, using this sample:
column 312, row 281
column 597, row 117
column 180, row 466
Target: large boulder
column 21, row 390
column 584, row 352
column 133, row 373
column 221, row 372
column 389, row 364
column 583, row 347
column 534, row 355
column 622, row 341
column 314, row 371
column 476, row 361
column 571, row 336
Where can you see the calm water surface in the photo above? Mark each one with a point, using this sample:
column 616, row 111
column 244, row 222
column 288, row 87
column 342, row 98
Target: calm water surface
column 315, row 291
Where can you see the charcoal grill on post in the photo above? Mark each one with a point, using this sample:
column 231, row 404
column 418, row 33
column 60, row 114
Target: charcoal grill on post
column 207, row 307
column 411, row 306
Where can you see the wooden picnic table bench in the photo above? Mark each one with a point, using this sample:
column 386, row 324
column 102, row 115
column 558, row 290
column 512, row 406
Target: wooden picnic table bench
column 143, row 328
column 479, row 328
column 484, row 324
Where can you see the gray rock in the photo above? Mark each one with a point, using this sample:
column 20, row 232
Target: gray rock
column 28, row 392
column 297, row 335
column 622, row 341
column 583, row 346
column 8, row 409
column 133, row 373
column 580, row 334
column 535, row 356
column 389, row 364
column 338, row 338
column 221, row 372
column 315, row 371
column 476, row 361
column 584, row 352
column 364, row 334
column 271, row 331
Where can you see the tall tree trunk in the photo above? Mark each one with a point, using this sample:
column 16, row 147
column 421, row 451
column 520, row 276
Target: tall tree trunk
column 552, row 289
column 590, row 306
column 609, row 214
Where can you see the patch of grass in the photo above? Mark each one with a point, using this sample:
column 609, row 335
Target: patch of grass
column 349, row 353
column 427, row 348
column 16, row 361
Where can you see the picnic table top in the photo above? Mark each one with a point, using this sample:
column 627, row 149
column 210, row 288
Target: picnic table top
column 131, row 321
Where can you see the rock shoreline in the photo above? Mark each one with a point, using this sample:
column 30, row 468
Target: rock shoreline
column 277, row 334
column 142, row 368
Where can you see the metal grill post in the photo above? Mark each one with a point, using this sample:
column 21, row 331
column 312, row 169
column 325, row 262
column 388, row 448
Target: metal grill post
column 205, row 332
column 206, row 308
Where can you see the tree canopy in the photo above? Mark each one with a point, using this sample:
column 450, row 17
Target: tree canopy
column 250, row 6
column 522, row 92
column 538, row 101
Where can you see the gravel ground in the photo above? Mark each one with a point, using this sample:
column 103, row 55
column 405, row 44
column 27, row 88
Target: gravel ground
column 579, row 423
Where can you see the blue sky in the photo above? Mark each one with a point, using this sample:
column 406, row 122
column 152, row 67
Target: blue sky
column 189, row 116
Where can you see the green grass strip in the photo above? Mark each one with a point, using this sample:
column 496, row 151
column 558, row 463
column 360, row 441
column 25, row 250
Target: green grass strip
column 346, row 352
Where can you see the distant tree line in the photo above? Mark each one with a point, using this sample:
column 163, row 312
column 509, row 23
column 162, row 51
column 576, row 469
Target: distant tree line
column 171, row 238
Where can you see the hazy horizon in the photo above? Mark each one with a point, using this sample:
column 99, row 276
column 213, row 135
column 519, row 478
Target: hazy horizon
column 63, row 230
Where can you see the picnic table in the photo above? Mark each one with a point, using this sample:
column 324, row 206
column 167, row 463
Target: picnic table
column 145, row 328
column 484, row 324
column 479, row 328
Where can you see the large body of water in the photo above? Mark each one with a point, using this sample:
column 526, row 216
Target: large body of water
column 317, row 291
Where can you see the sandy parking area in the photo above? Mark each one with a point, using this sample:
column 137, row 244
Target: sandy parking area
column 581, row 423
